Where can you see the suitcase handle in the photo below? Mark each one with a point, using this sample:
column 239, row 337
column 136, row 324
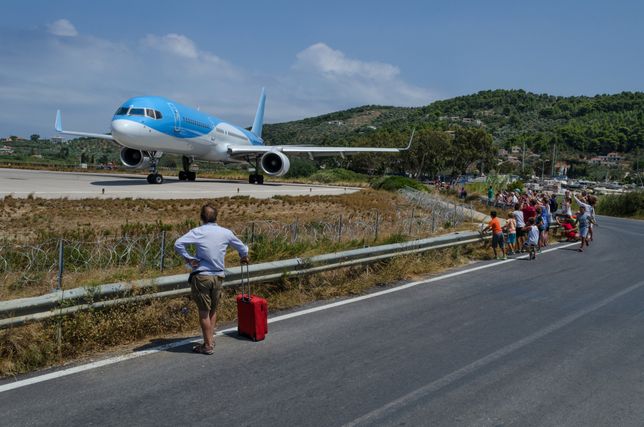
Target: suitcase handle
column 247, row 281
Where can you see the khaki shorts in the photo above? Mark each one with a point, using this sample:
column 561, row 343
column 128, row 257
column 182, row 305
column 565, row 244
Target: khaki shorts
column 206, row 291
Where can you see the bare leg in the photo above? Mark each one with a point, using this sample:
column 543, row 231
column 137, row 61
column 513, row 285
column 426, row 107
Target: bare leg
column 206, row 327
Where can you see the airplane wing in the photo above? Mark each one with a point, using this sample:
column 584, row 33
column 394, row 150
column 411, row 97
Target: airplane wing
column 59, row 128
column 313, row 151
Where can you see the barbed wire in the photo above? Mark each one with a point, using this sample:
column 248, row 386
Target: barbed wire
column 23, row 262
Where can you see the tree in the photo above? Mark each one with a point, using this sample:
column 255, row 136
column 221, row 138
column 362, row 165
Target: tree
column 34, row 137
column 469, row 147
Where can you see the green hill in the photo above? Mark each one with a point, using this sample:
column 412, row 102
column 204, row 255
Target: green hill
column 592, row 125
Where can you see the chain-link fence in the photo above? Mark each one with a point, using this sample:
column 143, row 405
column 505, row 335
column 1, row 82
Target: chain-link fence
column 154, row 251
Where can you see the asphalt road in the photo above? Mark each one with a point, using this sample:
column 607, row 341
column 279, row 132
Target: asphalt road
column 555, row 342
column 84, row 185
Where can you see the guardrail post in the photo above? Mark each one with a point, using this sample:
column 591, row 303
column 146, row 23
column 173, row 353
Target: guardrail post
column 162, row 249
column 61, row 264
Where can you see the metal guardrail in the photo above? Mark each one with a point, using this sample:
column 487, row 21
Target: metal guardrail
column 63, row 302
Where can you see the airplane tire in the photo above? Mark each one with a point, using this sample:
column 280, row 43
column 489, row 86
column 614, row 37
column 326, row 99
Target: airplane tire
column 192, row 176
column 150, row 179
column 260, row 179
column 183, row 176
column 251, row 179
column 157, row 178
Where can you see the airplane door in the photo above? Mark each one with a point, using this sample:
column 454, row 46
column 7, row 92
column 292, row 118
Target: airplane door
column 177, row 117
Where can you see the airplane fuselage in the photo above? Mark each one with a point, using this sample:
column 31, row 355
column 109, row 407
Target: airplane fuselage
column 157, row 124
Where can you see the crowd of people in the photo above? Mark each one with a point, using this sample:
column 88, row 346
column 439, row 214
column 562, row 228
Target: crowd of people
column 533, row 215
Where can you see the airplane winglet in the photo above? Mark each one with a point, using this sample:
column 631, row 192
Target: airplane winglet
column 411, row 138
column 59, row 122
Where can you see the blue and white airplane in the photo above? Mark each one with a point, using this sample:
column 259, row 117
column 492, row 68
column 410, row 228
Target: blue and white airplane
column 146, row 127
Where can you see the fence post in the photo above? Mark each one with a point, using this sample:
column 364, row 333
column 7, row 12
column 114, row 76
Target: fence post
column 61, row 263
column 340, row 228
column 162, row 250
column 433, row 220
column 411, row 221
column 294, row 233
column 252, row 233
column 375, row 237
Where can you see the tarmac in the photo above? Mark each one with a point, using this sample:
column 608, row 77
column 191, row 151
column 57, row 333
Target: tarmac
column 23, row 183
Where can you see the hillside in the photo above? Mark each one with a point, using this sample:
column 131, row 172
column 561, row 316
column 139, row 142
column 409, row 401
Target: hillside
column 593, row 125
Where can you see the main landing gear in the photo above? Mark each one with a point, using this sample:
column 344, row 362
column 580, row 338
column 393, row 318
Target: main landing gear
column 256, row 178
column 154, row 177
column 186, row 174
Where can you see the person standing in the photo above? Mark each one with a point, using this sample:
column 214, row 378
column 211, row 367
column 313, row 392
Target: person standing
column 583, row 221
column 497, row 235
column 490, row 195
column 520, row 224
column 210, row 242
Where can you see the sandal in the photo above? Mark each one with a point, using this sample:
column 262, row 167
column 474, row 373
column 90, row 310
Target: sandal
column 203, row 349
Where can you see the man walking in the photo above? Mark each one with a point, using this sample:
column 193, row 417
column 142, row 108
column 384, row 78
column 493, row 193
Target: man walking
column 210, row 242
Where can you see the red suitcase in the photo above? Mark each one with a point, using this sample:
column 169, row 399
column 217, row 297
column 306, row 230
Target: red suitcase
column 252, row 312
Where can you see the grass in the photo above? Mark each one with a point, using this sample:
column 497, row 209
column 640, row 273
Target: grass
column 627, row 205
column 35, row 346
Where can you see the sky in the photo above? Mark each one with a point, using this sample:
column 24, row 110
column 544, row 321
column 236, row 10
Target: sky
column 86, row 58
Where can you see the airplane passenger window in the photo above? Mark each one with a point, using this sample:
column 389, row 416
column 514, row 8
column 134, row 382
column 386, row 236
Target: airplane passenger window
column 121, row 111
column 137, row 112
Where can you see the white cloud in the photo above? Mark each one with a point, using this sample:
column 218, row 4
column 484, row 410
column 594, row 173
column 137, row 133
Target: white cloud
column 89, row 77
column 320, row 57
column 62, row 27
column 175, row 44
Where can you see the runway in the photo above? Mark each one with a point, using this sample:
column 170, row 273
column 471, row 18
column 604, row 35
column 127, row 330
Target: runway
column 85, row 185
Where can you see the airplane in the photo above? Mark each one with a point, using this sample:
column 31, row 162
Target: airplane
column 148, row 126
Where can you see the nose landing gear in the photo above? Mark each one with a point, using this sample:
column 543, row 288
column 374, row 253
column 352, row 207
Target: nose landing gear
column 154, row 177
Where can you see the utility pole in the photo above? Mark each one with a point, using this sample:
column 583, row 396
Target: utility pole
column 523, row 160
column 554, row 157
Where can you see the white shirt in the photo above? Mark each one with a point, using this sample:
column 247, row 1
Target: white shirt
column 533, row 235
column 210, row 241
column 518, row 216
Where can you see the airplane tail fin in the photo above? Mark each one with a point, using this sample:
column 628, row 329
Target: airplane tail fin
column 259, row 116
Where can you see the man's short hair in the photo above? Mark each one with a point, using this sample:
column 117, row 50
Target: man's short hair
column 208, row 214
column 493, row 214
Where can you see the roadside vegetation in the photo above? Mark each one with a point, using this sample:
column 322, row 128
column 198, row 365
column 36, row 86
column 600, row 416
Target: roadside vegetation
column 136, row 325
column 627, row 205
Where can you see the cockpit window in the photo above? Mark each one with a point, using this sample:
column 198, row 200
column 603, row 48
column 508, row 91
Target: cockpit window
column 158, row 114
column 121, row 111
column 137, row 112
column 150, row 113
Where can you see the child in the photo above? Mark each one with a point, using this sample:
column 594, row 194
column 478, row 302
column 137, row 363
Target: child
column 533, row 238
column 497, row 234
column 541, row 226
column 511, row 228
column 583, row 221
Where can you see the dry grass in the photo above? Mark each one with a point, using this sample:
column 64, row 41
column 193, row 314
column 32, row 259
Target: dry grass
column 35, row 346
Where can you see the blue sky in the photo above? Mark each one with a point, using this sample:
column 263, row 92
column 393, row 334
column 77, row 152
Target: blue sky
column 87, row 57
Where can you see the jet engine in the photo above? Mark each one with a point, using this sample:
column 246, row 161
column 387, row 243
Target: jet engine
column 275, row 163
column 134, row 158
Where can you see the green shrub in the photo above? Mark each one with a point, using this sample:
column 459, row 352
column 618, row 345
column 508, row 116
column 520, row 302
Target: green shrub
column 625, row 205
column 395, row 183
column 337, row 175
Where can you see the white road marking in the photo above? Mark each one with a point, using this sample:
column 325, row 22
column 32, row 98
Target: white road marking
column 165, row 347
column 374, row 416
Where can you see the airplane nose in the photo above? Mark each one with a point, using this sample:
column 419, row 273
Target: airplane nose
column 120, row 128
